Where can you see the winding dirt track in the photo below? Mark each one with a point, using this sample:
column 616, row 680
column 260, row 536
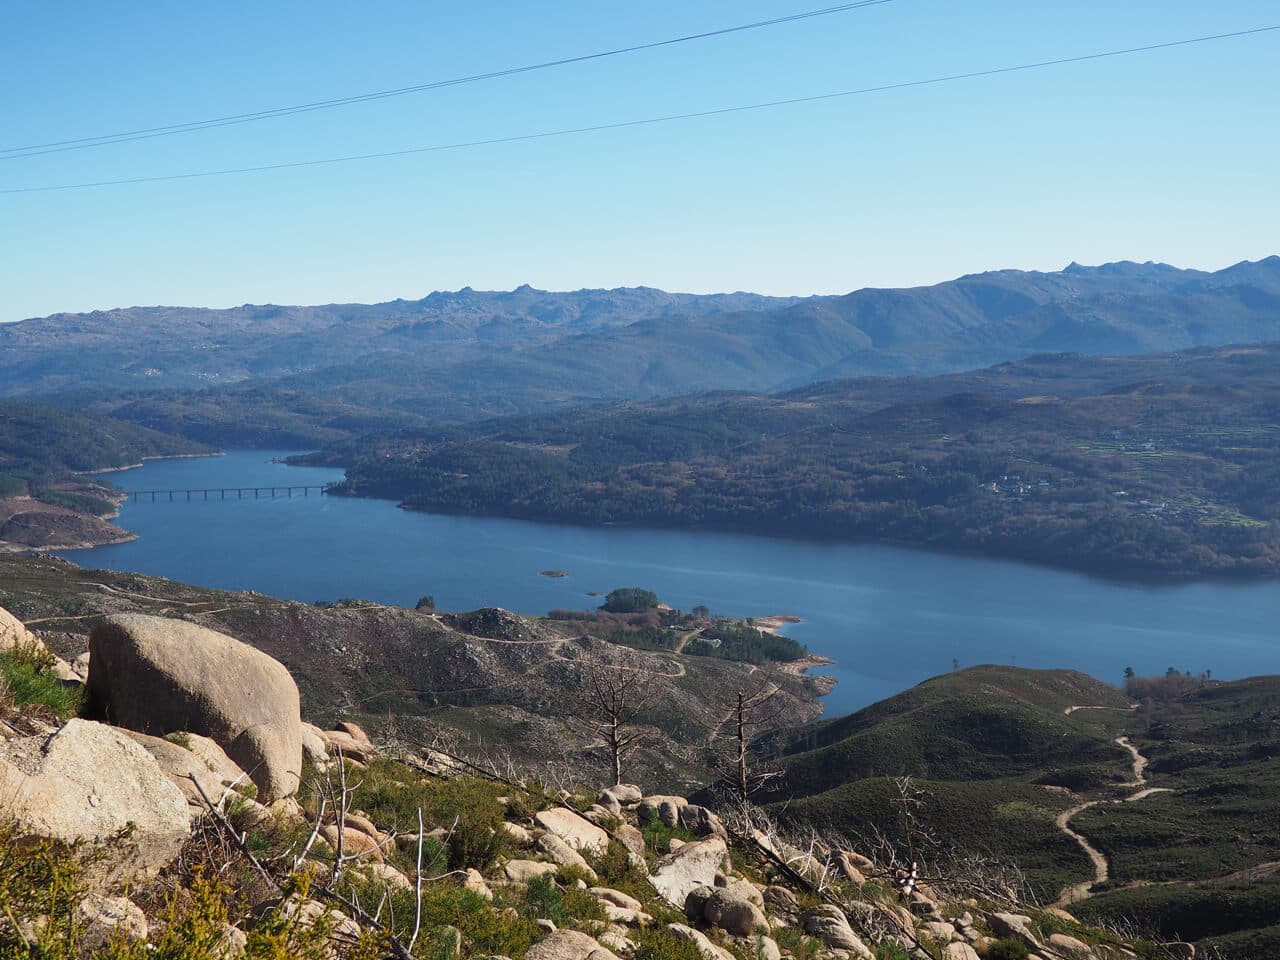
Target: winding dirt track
column 1101, row 868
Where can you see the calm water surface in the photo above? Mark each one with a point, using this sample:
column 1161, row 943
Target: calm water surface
column 889, row 617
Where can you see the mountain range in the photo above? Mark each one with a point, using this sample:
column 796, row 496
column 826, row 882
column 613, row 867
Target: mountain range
column 333, row 371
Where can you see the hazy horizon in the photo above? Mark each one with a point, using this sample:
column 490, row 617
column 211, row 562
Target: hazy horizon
column 230, row 305
column 1158, row 155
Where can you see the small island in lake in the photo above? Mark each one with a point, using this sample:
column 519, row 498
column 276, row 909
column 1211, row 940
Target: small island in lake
column 553, row 573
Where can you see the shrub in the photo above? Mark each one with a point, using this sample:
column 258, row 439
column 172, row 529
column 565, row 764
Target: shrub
column 659, row 943
column 24, row 670
column 1008, row 949
column 468, row 808
column 564, row 906
column 488, row 930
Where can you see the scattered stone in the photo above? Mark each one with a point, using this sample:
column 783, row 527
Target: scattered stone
column 767, row 949
column 616, row 897
column 563, row 854
column 615, row 938
column 313, row 748
column 355, row 843
column 338, row 743
column 573, row 829
column 652, row 808
column 522, row 871
column 159, row 676
column 692, row 865
column 829, row 924
column 695, row 903
column 89, row 781
column 709, row 950
column 1014, row 925
column 569, row 945
column 869, row 916
column 625, row 793
column 475, row 882
column 387, row 874
column 103, row 919
column 742, row 889
column 545, row 925
column 191, row 755
column 940, row 930
column 519, row 834
column 959, row 951
column 733, row 913
column 701, row 822
column 232, row 944
column 1070, row 946
column 631, row 838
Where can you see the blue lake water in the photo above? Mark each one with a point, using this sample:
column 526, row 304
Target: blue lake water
column 890, row 617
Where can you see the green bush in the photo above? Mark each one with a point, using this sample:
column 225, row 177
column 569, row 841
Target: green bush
column 486, row 927
column 24, row 670
column 565, row 906
column 1008, row 949
column 468, row 808
column 659, row 943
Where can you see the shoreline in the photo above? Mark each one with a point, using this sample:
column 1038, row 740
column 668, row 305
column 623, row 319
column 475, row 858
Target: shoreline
column 801, row 667
column 145, row 460
column 1150, row 579
column 126, row 537
column 775, row 623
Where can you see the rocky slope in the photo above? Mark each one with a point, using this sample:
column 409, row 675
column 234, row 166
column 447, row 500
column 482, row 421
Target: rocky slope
column 325, row 844
column 490, row 680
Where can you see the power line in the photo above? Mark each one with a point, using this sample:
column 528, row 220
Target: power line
column 623, row 124
column 84, row 143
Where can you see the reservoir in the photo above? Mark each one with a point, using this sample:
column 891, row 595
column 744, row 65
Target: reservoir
column 889, row 617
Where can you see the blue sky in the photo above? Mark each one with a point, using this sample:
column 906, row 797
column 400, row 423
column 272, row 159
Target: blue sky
column 1170, row 155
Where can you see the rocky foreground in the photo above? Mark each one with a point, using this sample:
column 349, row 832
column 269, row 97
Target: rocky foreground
column 187, row 811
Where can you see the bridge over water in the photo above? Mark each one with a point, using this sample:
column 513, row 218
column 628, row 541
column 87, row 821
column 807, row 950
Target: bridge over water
column 227, row 493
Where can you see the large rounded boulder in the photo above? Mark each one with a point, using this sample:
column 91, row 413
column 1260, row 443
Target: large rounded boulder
column 90, row 782
column 160, row 676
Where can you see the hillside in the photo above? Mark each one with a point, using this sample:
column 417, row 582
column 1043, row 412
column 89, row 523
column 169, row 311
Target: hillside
column 992, row 758
column 155, row 810
column 490, row 681
column 283, row 375
column 45, row 501
column 1174, row 796
column 1152, row 466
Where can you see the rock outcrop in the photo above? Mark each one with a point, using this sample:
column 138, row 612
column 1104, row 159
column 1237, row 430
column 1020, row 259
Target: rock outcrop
column 91, row 782
column 694, row 865
column 574, row 829
column 161, row 676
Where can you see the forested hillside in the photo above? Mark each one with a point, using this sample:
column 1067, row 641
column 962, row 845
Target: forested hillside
column 44, row 499
column 1141, row 466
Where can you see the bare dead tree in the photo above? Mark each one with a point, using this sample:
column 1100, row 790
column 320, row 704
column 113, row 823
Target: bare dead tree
column 748, row 711
column 611, row 699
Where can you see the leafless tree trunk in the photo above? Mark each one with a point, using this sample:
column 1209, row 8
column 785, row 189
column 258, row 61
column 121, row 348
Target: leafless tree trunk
column 749, row 710
column 611, row 699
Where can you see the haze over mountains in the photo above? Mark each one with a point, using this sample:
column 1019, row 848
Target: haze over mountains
column 454, row 357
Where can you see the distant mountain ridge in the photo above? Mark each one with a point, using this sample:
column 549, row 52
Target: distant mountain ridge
column 330, row 371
